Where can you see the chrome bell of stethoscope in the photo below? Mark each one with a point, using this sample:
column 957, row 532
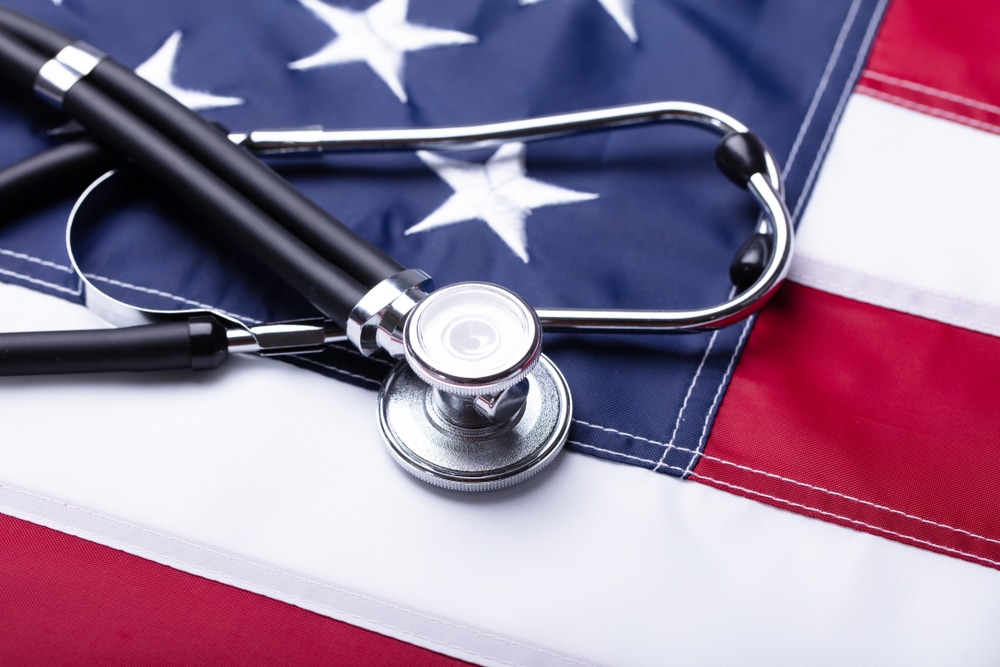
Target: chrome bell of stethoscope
column 476, row 405
column 473, row 404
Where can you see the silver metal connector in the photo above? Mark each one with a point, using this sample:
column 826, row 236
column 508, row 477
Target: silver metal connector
column 376, row 323
column 58, row 75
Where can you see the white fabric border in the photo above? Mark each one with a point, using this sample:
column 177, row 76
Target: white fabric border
column 273, row 479
column 904, row 216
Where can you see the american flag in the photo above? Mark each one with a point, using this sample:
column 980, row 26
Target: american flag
column 270, row 479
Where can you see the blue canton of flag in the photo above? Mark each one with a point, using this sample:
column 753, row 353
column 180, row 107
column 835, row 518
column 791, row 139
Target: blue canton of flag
column 636, row 218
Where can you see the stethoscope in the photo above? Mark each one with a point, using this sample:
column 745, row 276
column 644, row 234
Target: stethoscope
column 472, row 404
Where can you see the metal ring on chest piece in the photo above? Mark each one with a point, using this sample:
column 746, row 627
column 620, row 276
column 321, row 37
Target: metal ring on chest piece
column 475, row 406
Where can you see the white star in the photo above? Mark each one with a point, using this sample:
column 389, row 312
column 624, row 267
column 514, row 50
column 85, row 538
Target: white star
column 622, row 11
column 379, row 36
column 498, row 193
column 159, row 71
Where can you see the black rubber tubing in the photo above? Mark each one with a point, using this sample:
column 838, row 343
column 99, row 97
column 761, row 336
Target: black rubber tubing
column 63, row 170
column 326, row 286
column 248, row 175
column 20, row 63
column 323, row 284
column 39, row 36
column 199, row 343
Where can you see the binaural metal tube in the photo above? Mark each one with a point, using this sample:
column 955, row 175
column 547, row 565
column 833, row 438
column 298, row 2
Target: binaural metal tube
column 488, row 134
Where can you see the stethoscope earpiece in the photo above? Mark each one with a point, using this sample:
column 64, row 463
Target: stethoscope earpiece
column 750, row 261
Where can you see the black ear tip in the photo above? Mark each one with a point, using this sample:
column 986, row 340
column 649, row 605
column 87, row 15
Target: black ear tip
column 750, row 261
column 740, row 155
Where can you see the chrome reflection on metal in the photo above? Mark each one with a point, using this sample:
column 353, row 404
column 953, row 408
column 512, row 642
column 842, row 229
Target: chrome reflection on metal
column 268, row 340
column 81, row 57
column 472, row 339
column 265, row 339
column 486, row 135
column 377, row 321
column 435, row 438
column 54, row 80
column 62, row 72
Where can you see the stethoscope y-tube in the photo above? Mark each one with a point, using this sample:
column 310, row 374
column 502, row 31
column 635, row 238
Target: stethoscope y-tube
column 474, row 404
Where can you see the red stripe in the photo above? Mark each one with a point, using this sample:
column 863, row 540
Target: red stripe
column 867, row 417
column 66, row 601
column 939, row 58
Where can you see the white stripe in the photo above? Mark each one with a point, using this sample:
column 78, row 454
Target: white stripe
column 934, row 305
column 907, row 103
column 912, row 226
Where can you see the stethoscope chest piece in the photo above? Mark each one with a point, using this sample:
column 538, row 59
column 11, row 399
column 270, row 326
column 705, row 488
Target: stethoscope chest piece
column 475, row 406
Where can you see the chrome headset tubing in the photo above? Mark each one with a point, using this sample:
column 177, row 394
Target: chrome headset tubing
column 474, row 404
column 741, row 156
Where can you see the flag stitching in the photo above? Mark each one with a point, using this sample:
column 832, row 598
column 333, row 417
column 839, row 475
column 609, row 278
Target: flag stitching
column 934, row 92
column 172, row 297
column 817, row 510
column 811, row 487
column 826, row 513
column 687, row 397
column 838, row 47
column 933, row 111
column 35, row 260
column 718, row 393
column 845, row 94
column 641, row 459
column 856, row 522
column 39, row 281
